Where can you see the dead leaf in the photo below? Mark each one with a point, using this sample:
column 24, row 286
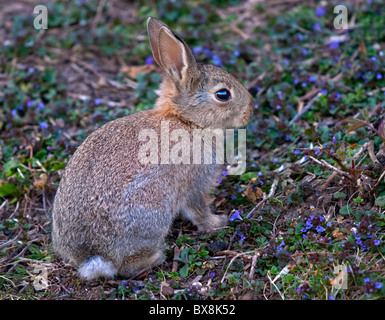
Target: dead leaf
column 41, row 181
column 133, row 71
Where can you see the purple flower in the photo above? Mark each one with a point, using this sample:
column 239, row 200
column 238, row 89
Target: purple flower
column 224, row 173
column 236, row 53
column 378, row 285
column 312, row 78
column 334, row 140
column 334, row 45
column 320, row 229
column 296, row 152
column 317, row 27
column 379, row 76
column 97, row 101
column 30, row 104
column 40, row 106
column 376, row 242
column 233, row 197
column 304, row 52
column 235, row 215
column 324, row 92
column 216, row 60
column 14, row 112
column 331, row 297
column 219, row 180
column 300, row 37
column 373, row 58
column 44, row 125
column 212, row 274
column 320, row 11
column 149, row 60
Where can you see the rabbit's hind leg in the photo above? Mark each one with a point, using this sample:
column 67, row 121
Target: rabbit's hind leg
column 134, row 265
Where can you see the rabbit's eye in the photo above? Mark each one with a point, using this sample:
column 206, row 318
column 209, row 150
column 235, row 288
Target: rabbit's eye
column 223, row 95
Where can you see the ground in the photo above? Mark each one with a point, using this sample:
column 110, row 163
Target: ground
column 306, row 219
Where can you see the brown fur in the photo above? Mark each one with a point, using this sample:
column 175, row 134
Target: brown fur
column 112, row 206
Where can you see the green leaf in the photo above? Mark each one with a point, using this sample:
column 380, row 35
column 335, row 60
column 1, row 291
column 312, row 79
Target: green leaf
column 9, row 165
column 345, row 209
column 380, row 201
column 339, row 195
column 184, row 271
column 8, row 189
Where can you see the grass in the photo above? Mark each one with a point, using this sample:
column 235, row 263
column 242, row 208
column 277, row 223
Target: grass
column 306, row 219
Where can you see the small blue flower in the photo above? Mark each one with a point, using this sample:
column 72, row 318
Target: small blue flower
column 297, row 152
column 312, row 78
column 97, row 101
column 334, row 45
column 197, row 50
column 212, row 274
column 14, row 112
column 219, row 180
column 304, row 84
column 324, row 92
column 366, row 280
column 329, row 224
column 379, row 76
column 236, row 53
column 373, row 58
column 320, row 11
column 216, row 60
column 224, row 173
column 317, row 27
column 320, row 229
column 233, row 197
column 300, row 37
column 44, row 125
column 235, row 215
column 378, row 285
column 40, row 106
column 376, row 242
column 30, row 103
column 149, row 60
column 331, row 297
column 304, row 52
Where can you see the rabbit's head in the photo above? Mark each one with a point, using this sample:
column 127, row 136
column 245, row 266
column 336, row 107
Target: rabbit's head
column 202, row 94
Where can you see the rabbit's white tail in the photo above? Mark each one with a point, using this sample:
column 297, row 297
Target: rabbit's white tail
column 96, row 267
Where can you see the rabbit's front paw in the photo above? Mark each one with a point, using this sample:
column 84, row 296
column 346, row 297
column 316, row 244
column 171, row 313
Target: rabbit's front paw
column 212, row 221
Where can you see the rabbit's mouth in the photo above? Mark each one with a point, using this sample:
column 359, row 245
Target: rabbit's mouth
column 245, row 117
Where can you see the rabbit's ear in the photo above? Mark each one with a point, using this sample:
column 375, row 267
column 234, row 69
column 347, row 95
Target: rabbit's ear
column 170, row 51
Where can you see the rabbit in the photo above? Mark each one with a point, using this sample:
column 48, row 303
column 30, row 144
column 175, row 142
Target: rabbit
column 112, row 213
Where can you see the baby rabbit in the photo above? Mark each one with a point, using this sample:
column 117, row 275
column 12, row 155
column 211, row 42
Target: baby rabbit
column 112, row 212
